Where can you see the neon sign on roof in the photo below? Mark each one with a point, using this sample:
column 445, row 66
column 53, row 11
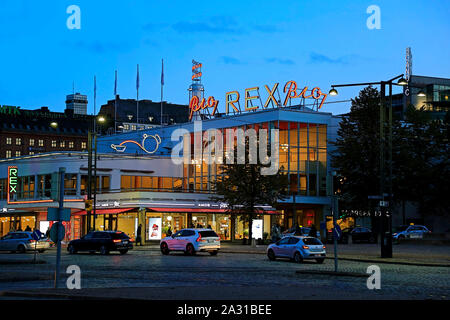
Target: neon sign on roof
column 252, row 96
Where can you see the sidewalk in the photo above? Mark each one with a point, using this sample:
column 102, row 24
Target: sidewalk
column 406, row 254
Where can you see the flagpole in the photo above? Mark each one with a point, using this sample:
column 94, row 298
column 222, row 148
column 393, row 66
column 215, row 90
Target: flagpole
column 115, row 103
column 162, row 84
column 137, row 96
column 95, row 96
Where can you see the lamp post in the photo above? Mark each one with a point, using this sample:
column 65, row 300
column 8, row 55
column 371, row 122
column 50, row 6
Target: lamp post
column 92, row 140
column 386, row 242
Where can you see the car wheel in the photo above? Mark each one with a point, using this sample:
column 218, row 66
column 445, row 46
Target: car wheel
column 214, row 253
column 271, row 255
column 123, row 251
column 103, row 250
column 71, row 249
column 190, row 250
column 320, row 261
column 21, row 248
column 298, row 257
column 164, row 248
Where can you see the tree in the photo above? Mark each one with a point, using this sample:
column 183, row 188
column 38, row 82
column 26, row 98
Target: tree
column 243, row 187
column 357, row 156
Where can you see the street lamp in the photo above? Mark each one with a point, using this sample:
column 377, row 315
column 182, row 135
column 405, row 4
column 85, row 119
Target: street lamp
column 333, row 92
column 386, row 248
column 421, row 94
column 54, row 124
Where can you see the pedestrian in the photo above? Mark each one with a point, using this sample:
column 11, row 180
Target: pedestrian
column 138, row 235
column 313, row 231
column 20, row 229
column 28, row 228
column 169, row 232
column 274, row 233
column 209, row 226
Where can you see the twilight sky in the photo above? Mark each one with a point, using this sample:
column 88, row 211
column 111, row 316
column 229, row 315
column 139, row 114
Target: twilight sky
column 241, row 44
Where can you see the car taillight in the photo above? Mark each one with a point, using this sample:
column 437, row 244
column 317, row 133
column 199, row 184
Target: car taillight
column 199, row 239
column 324, row 247
column 305, row 247
column 31, row 241
column 117, row 240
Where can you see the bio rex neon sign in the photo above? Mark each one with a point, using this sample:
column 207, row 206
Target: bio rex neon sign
column 291, row 90
column 12, row 180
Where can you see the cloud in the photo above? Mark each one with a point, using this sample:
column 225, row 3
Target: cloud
column 230, row 60
column 215, row 25
column 100, row 47
column 266, row 28
column 280, row 61
column 320, row 58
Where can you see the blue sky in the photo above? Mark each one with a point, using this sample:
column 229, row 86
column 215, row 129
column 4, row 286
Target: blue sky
column 240, row 43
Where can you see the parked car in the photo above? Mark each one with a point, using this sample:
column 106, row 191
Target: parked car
column 297, row 248
column 411, row 231
column 191, row 241
column 102, row 241
column 23, row 241
column 358, row 234
column 303, row 231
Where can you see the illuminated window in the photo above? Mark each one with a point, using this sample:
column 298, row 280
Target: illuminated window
column 31, row 153
column 71, row 144
column 41, row 143
column 62, row 144
column 18, row 141
column 17, row 153
column 53, row 143
column 83, row 145
column 8, row 153
column 133, row 127
column 31, row 142
column 8, row 140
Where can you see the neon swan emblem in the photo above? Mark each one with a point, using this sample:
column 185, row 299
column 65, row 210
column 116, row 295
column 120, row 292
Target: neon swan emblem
column 121, row 147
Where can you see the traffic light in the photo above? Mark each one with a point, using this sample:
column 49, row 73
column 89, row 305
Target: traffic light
column 88, row 204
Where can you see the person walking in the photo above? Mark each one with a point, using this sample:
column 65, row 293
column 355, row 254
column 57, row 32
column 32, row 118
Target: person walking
column 169, row 232
column 138, row 235
column 313, row 231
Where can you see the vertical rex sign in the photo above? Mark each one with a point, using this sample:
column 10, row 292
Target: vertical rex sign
column 12, row 181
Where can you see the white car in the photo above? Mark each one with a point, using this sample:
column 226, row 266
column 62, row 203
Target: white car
column 297, row 248
column 191, row 241
column 22, row 241
column 412, row 231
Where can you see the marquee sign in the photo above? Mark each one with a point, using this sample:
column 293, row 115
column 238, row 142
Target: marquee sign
column 121, row 147
column 12, row 181
column 232, row 98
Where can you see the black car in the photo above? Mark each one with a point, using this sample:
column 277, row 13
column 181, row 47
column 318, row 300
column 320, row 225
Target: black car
column 358, row 234
column 102, row 241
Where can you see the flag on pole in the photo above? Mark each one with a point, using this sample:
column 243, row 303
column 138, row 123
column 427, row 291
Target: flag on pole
column 162, row 73
column 137, row 78
column 115, row 86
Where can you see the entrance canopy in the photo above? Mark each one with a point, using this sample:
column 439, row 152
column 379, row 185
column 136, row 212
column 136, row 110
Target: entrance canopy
column 104, row 211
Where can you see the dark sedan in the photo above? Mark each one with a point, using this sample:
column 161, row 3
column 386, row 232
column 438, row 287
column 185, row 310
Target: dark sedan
column 101, row 241
column 358, row 234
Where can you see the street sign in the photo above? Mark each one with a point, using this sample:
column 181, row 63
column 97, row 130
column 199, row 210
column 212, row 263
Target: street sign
column 53, row 214
column 54, row 234
column 36, row 235
column 384, row 203
column 337, row 232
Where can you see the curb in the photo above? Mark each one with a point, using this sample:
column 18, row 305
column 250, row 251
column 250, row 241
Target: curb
column 55, row 295
column 332, row 273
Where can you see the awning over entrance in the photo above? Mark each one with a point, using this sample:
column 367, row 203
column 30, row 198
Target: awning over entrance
column 203, row 210
column 104, row 211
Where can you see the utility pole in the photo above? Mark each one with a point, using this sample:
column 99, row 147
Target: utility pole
column 335, row 212
column 89, row 184
column 59, row 224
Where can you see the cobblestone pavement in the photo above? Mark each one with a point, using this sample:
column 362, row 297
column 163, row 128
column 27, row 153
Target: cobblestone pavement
column 148, row 268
